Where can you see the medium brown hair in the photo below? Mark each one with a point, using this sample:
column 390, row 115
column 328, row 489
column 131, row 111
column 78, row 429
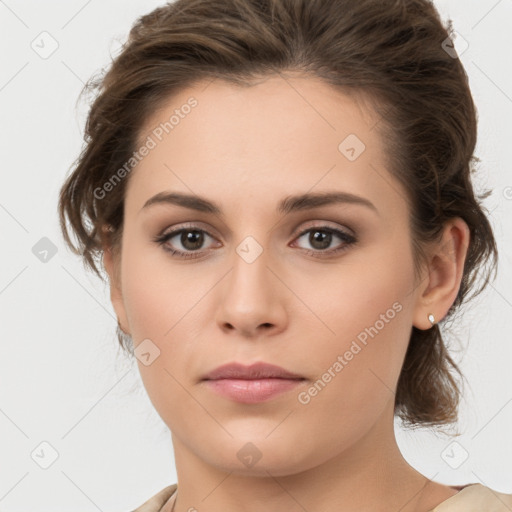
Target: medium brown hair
column 392, row 52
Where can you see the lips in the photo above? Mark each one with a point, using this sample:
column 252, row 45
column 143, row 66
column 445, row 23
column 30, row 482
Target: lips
column 255, row 371
column 257, row 383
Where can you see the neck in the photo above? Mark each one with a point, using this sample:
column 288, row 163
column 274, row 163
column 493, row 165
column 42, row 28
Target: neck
column 369, row 475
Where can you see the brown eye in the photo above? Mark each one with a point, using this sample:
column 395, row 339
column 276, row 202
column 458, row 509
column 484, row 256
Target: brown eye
column 321, row 238
column 188, row 241
column 192, row 240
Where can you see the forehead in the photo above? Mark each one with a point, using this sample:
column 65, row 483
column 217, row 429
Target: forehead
column 284, row 134
column 277, row 99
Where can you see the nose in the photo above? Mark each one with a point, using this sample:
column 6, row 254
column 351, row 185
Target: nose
column 252, row 299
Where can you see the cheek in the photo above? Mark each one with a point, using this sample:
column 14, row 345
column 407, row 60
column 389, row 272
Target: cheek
column 166, row 304
column 370, row 292
column 157, row 293
column 159, row 303
column 366, row 327
column 357, row 369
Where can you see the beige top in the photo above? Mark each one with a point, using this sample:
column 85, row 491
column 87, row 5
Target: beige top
column 471, row 498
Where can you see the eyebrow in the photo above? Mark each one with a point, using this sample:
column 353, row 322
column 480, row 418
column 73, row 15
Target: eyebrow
column 289, row 204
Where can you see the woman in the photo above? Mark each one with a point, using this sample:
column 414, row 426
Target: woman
column 280, row 194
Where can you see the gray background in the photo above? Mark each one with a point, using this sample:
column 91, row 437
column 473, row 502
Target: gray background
column 63, row 380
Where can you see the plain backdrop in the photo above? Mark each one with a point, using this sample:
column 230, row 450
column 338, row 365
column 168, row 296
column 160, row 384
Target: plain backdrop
column 69, row 400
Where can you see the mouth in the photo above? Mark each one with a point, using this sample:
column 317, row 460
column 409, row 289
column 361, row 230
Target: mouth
column 260, row 370
column 251, row 391
column 256, row 383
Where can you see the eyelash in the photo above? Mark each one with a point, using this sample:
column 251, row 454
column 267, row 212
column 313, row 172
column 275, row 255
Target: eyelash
column 348, row 239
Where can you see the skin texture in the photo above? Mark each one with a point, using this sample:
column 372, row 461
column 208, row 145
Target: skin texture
column 246, row 149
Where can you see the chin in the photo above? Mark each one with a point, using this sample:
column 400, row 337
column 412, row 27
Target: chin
column 261, row 456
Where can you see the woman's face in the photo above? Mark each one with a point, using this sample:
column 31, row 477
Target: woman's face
column 268, row 277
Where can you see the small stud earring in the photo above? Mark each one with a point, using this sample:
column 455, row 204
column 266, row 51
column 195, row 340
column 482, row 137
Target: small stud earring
column 431, row 319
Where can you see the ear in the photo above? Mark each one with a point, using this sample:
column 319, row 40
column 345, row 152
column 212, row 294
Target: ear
column 438, row 290
column 111, row 263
